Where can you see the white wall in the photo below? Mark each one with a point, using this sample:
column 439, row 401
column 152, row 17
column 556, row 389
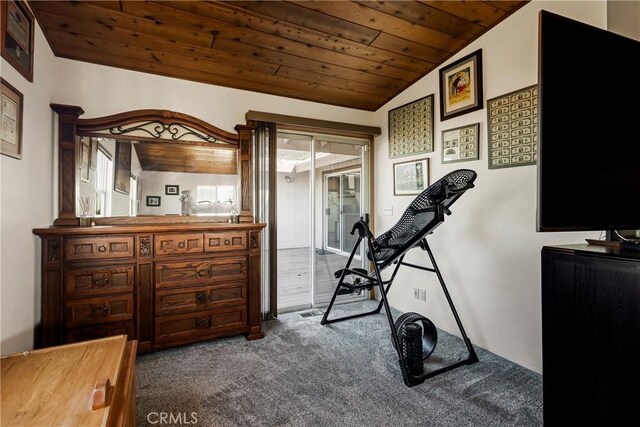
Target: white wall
column 26, row 202
column 488, row 248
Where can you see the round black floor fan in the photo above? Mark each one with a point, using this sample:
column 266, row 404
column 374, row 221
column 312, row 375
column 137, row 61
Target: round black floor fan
column 418, row 337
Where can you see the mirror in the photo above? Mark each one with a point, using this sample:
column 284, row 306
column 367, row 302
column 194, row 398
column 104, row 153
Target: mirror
column 118, row 177
column 151, row 166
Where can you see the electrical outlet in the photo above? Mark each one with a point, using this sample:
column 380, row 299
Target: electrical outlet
column 416, row 293
column 388, row 211
column 423, row 294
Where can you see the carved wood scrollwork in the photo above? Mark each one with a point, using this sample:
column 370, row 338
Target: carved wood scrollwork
column 53, row 250
column 255, row 241
column 145, row 246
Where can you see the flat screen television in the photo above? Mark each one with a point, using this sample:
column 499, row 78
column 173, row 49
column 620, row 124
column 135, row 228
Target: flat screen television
column 589, row 128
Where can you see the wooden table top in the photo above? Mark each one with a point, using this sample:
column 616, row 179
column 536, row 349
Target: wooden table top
column 55, row 386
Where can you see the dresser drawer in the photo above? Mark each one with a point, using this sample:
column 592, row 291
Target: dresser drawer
column 99, row 247
column 101, row 331
column 89, row 311
column 99, row 281
column 171, row 244
column 216, row 242
column 200, row 324
column 221, row 270
column 179, row 301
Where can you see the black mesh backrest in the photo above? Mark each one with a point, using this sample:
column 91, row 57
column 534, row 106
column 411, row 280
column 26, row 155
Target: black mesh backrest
column 414, row 225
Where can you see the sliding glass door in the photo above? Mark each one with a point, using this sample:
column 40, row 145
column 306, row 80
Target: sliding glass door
column 321, row 190
column 342, row 209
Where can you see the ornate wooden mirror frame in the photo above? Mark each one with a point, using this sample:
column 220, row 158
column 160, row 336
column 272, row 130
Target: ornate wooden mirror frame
column 160, row 125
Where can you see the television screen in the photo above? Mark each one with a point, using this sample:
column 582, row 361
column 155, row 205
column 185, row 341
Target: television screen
column 589, row 128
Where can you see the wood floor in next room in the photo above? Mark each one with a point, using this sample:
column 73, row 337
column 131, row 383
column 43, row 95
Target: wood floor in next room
column 294, row 287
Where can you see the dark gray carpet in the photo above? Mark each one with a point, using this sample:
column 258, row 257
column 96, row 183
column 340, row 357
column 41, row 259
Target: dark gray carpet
column 344, row 374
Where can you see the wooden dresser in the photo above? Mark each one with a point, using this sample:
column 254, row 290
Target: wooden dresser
column 84, row 384
column 162, row 285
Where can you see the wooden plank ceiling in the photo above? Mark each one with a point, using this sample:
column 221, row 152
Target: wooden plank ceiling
column 193, row 158
column 357, row 54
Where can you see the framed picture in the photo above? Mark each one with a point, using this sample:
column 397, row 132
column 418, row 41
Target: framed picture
column 94, row 153
column 410, row 177
column 171, row 190
column 461, row 86
column 512, row 119
column 123, row 167
column 411, row 128
column 153, row 201
column 461, row 144
column 11, row 112
column 85, row 152
column 17, row 36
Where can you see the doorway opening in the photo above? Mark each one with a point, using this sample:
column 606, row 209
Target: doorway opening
column 322, row 188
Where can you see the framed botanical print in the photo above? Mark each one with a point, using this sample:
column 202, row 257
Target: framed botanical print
column 410, row 177
column 11, row 112
column 411, row 128
column 461, row 86
column 16, row 36
column 461, row 144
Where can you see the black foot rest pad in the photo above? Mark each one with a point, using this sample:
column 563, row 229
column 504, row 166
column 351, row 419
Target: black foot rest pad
column 338, row 273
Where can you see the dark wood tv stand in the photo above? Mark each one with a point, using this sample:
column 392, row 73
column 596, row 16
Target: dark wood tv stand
column 590, row 335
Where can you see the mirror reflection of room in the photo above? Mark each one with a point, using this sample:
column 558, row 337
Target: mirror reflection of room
column 133, row 178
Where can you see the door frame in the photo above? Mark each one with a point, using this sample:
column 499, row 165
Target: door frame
column 325, row 175
column 271, row 142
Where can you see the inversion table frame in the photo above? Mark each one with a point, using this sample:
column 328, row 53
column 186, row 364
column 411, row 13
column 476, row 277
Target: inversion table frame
column 365, row 280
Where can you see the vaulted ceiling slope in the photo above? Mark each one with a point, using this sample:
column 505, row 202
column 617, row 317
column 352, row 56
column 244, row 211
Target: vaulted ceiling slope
column 356, row 54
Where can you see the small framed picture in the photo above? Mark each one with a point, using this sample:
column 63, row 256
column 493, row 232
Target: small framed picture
column 461, row 86
column 460, row 144
column 84, row 159
column 94, row 153
column 11, row 112
column 153, row 201
column 410, row 178
column 171, row 190
column 123, row 167
column 16, row 30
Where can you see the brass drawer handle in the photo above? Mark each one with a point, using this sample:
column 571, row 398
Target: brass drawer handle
column 203, row 273
column 227, row 242
column 181, row 245
column 202, row 297
column 202, row 323
column 102, row 248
